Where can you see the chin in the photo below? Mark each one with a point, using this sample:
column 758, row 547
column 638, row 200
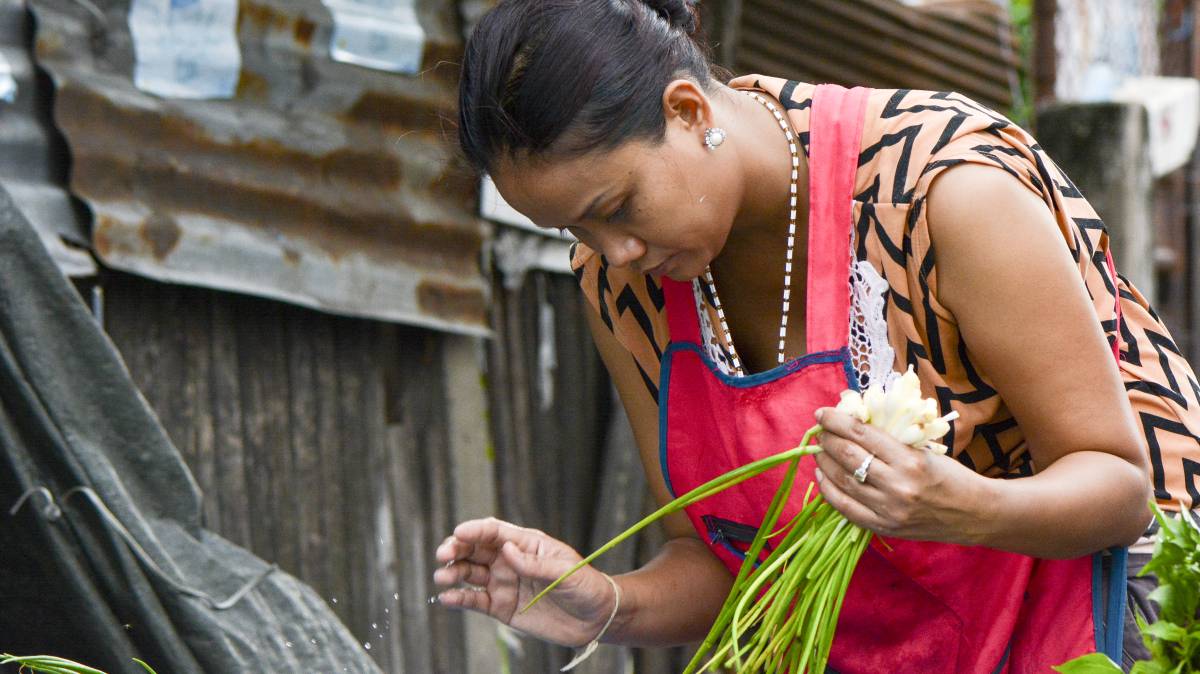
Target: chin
column 680, row 274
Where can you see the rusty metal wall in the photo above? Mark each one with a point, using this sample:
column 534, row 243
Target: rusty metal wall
column 33, row 160
column 958, row 46
column 319, row 183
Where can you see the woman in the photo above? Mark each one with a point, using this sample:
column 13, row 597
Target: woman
column 708, row 215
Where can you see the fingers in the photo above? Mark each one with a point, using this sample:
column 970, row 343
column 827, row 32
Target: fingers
column 471, row 598
column 853, row 509
column 845, row 449
column 882, row 445
column 452, row 549
column 462, row 571
column 480, row 540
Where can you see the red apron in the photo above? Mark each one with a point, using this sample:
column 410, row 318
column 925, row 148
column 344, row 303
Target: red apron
column 911, row 606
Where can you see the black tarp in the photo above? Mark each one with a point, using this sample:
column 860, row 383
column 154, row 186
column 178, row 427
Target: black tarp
column 106, row 558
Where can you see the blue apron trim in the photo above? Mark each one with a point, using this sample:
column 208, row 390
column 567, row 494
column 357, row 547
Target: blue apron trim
column 1108, row 601
column 1098, row 600
column 664, row 381
column 1114, row 642
column 777, row 372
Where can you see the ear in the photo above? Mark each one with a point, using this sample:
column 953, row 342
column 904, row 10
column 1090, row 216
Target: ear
column 685, row 104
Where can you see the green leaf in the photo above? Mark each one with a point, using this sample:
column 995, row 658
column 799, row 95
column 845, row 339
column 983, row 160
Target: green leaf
column 148, row 669
column 1147, row 667
column 1092, row 663
column 1166, row 631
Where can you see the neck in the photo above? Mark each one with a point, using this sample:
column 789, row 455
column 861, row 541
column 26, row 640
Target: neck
column 760, row 225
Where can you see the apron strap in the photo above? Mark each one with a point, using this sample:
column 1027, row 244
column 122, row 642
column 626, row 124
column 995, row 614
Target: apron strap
column 836, row 131
column 682, row 317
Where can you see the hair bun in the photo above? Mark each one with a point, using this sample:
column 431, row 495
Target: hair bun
column 681, row 14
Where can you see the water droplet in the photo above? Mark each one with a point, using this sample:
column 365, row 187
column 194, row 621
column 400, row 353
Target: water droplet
column 335, row 600
column 313, row 642
column 386, row 611
column 379, row 635
column 288, row 644
column 374, row 626
column 367, row 646
column 396, row 596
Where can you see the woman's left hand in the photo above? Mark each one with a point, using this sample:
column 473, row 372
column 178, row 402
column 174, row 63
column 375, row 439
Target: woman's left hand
column 908, row 493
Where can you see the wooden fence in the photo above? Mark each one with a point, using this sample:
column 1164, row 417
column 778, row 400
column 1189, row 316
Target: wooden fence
column 326, row 444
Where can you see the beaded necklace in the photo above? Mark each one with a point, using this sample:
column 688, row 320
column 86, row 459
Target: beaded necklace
column 791, row 243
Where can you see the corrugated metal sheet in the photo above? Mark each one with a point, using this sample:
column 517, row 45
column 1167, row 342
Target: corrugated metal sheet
column 33, row 159
column 321, row 183
column 959, row 46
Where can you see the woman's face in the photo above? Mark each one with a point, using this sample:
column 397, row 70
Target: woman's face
column 660, row 208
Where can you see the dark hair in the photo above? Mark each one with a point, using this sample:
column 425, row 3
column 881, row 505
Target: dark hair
column 573, row 75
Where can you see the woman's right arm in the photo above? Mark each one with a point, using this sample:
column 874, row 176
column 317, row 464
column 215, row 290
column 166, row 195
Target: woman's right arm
column 676, row 596
column 671, row 600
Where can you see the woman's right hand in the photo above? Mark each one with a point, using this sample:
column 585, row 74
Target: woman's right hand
column 506, row 566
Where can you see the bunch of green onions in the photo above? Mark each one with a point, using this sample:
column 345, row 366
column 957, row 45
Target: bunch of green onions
column 781, row 612
column 799, row 586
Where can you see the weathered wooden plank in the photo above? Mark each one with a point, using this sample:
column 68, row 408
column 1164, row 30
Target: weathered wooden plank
column 522, row 467
column 424, row 415
column 354, row 480
column 196, row 328
column 383, row 564
column 336, row 588
column 230, row 467
column 518, row 474
column 304, row 441
column 411, row 614
column 259, row 368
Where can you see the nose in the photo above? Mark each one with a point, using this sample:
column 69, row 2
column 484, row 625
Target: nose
column 621, row 250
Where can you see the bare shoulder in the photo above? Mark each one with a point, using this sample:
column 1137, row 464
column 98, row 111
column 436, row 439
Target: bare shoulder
column 1006, row 273
column 988, row 228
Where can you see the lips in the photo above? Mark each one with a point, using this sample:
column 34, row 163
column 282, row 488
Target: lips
column 658, row 269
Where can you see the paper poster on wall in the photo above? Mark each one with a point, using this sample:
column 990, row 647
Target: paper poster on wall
column 379, row 34
column 185, row 48
column 8, row 84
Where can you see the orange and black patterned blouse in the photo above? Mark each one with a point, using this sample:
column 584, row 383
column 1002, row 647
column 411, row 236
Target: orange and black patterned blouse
column 908, row 138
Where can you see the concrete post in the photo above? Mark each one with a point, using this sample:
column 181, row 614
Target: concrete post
column 1103, row 148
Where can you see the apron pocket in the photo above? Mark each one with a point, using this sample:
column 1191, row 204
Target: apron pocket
column 734, row 537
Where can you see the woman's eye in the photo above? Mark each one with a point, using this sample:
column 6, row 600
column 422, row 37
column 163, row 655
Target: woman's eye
column 617, row 214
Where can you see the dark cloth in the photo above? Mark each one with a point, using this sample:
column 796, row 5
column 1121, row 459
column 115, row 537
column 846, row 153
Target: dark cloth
column 1137, row 602
column 107, row 546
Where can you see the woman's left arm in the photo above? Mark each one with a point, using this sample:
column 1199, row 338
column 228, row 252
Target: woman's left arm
column 1005, row 273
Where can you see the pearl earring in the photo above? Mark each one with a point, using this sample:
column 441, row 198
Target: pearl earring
column 714, row 137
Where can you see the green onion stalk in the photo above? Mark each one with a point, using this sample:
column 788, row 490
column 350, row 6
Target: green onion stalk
column 781, row 611
column 54, row 665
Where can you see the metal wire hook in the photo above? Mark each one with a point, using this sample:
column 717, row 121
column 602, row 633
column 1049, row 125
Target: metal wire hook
column 50, row 511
